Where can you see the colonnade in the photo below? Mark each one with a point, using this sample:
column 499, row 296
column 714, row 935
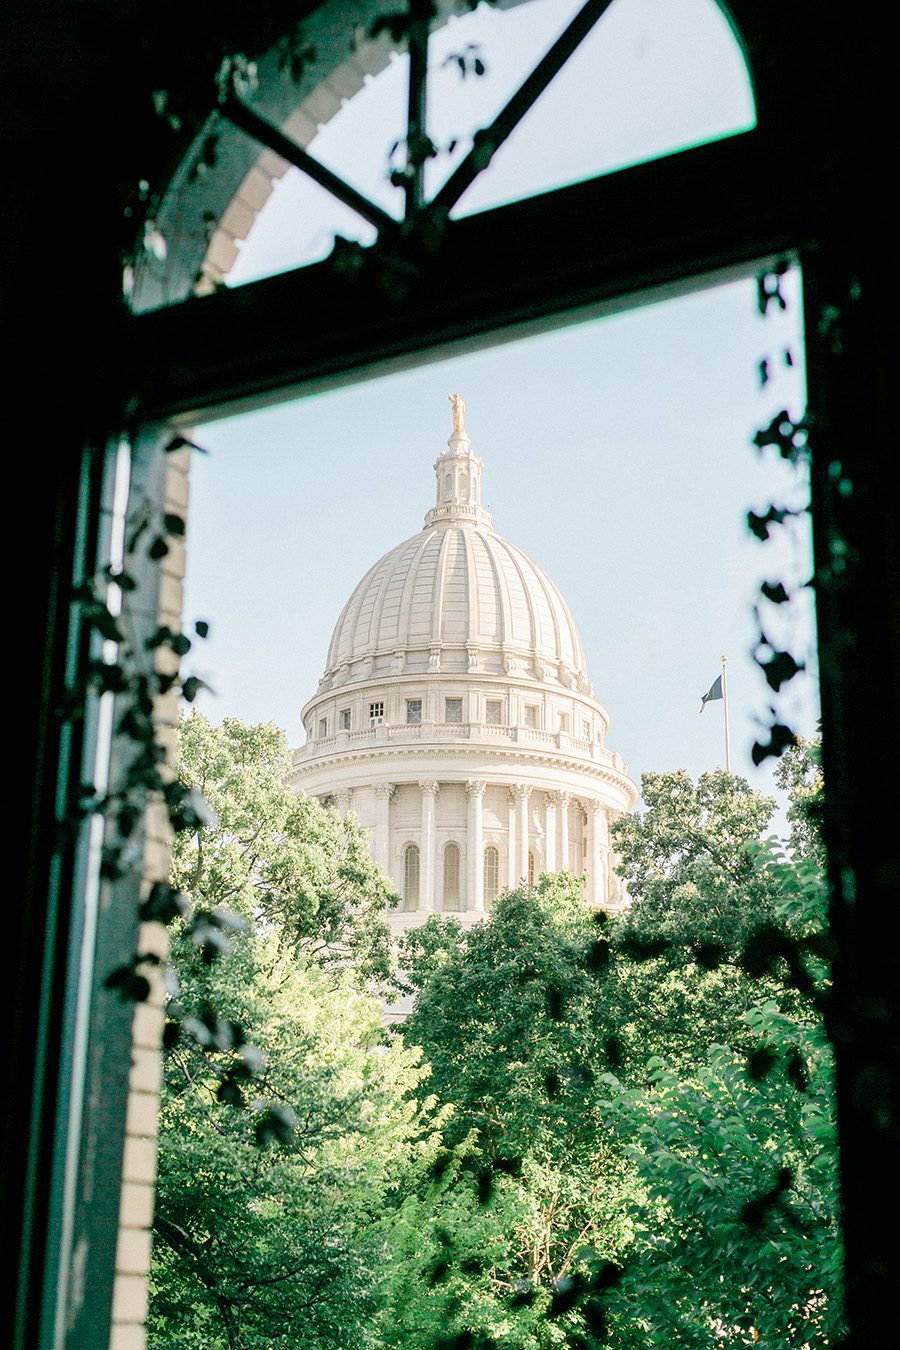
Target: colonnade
column 554, row 843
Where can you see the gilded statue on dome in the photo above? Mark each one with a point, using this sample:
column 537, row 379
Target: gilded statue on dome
column 459, row 410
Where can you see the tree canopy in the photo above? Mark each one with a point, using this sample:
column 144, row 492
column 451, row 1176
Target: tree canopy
column 590, row 1131
column 264, row 1232
column 276, row 856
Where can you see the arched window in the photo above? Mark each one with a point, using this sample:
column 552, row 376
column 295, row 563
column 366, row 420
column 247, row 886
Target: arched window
column 411, row 877
column 530, row 868
column 451, row 877
column 448, row 487
column 491, row 875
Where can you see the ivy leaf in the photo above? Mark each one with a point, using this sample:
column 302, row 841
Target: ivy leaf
column 781, row 737
column 188, row 808
column 780, row 668
column 129, row 982
column 230, row 1091
column 598, row 955
column 179, row 442
column 755, row 1212
column 191, row 687
column 709, row 955
column 759, row 524
column 118, row 577
column 105, row 624
column 783, row 434
column 396, row 25
column 566, row 1293
column 775, row 591
column 766, row 946
column 761, row 1062
column 165, row 636
column 276, row 1125
column 164, row 903
column 108, row 677
column 171, row 1033
column 131, row 987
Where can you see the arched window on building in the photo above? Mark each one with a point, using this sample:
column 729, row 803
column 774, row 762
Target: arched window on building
column 411, row 877
column 530, row 868
column 451, row 877
column 491, row 875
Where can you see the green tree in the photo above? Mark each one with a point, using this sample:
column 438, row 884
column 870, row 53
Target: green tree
column 654, row 1094
column 287, row 1115
column 687, row 858
column 677, row 983
column 527, row 1202
column 275, row 856
column 799, row 773
column 739, row 1239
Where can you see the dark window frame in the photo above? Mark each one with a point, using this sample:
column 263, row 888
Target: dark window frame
column 808, row 184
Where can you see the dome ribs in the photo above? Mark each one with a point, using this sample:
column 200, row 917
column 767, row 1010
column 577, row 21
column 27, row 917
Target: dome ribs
column 404, row 630
column 438, row 590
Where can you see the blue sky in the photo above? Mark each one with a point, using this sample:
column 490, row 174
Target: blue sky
column 617, row 452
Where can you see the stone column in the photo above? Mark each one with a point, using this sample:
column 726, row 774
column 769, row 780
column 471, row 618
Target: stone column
column 475, row 846
column 342, row 801
column 511, row 854
column 597, row 852
column 429, row 791
column 523, row 792
column 550, row 831
column 563, row 858
column 381, row 840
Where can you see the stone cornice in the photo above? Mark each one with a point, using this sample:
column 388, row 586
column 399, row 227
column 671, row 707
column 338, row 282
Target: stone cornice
column 506, row 765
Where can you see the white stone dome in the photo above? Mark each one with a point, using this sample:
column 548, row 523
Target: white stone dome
column 461, row 587
column 456, row 597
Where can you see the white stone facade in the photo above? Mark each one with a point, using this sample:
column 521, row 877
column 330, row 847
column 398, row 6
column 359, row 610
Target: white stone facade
column 455, row 717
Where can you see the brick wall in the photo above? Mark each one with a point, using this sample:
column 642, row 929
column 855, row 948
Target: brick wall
column 139, row 1163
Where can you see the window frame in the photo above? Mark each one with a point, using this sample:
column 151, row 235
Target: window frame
column 411, row 853
column 490, row 895
column 807, row 184
column 453, row 902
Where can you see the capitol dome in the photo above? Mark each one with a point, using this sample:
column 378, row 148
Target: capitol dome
column 455, row 716
column 459, row 589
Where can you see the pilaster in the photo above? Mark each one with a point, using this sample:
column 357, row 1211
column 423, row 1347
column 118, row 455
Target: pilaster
column 523, row 793
column 381, row 840
column 428, row 790
column 475, row 845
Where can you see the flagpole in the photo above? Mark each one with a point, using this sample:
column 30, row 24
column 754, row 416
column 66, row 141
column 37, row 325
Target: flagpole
column 724, row 660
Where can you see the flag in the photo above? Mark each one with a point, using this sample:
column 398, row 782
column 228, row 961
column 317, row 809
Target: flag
column 715, row 691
